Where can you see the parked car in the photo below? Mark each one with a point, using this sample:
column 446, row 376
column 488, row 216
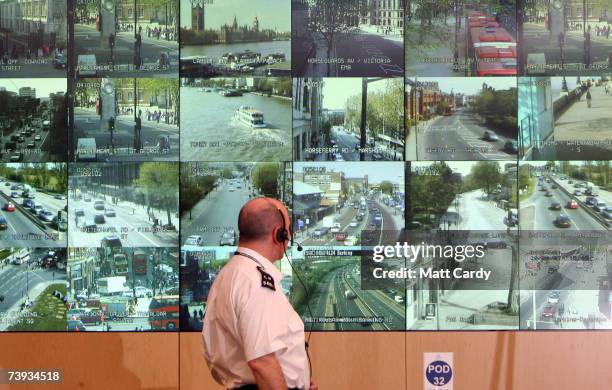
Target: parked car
column 108, row 212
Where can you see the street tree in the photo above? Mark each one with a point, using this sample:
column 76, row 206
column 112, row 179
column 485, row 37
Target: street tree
column 386, row 187
column 330, row 19
column 486, row 175
column 265, row 179
column 160, row 181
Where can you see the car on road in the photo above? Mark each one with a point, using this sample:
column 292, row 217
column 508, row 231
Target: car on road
column 549, row 312
column 90, row 226
column 554, row 187
column 607, row 213
column 354, row 223
column 75, row 326
column 111, row 241
column 336, row 228
column 36, row 208
column 599, row 206
column 59, row 197
column 591, row 200
column 511, row 147
column 338, row 157
column 194, row 240
column 577, row 193
column 320, row 232
column 99, row 205
column 27, row 203
column 108, row 212
column 572, row 204
column 554, row 296
column 350, row 240
column 554, row 206
column 30, row 145
column 87, row 198
column 3, row 223
column 14, row 194
column 548, row 193
column 37, row 137
column 490, row 136
column 562, row 221
column 62, row 225
column 9, row 206
column 46, row 215
column 228, row 238
column 398, row 299
column 79, row 212
column 543, row 188
column 99, row 218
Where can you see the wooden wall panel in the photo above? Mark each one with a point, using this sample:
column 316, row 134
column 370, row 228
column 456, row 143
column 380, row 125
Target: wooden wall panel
column 95, row 360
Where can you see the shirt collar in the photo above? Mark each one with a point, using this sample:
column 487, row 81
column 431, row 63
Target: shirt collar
column 267, row 265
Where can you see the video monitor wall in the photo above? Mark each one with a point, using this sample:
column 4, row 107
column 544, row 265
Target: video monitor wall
column 132, row 133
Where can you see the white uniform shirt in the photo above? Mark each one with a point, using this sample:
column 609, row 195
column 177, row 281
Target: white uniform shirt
column 245, row 320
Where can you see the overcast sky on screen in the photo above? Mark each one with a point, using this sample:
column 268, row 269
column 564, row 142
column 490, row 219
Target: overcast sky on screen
column 377, row 171
column 43, row 86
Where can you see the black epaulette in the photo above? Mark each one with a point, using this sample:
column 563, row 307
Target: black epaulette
column 267, row 280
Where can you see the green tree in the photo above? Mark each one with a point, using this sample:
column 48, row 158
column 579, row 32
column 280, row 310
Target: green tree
column 486, row 175
column 265, row 179
column 386, row 187
column 159, row 181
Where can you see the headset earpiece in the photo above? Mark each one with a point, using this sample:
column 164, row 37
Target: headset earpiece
column 281, row 234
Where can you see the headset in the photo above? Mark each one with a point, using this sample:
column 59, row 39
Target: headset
column 281, row 236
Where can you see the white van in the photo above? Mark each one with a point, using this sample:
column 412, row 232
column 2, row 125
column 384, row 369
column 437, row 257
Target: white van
column 86, row 149
column 20, row 257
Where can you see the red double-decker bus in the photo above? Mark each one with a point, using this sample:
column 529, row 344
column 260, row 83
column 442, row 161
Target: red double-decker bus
column 139, row 262
column 164, row 312
column 493, row 52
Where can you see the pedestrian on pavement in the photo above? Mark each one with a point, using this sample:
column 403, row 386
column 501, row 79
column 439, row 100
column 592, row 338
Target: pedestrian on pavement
column 588, row 98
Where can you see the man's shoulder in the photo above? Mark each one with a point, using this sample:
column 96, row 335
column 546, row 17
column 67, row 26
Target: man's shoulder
column 238, row 270
column 245, row 275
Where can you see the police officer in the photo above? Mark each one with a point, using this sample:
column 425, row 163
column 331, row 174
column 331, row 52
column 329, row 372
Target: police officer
column 253, row 339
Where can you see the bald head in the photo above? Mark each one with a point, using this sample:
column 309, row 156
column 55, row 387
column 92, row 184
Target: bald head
column 259, row 218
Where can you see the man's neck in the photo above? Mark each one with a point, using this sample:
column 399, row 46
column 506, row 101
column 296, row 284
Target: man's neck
column 262, row 249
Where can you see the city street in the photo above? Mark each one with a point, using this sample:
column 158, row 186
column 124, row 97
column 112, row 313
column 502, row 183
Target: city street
column 357, row 54
column 591, row 125
column 217, row 213
column 575, row 307
column 330, row 300
column 476, row 212
column 88, row 41
column 131, row 224
column 37, row 154
column 25, row 229
column 391, row 223
column 535, row 213
column 459, row 136
column 87, row 124
column 539, row 40
column 18, row 282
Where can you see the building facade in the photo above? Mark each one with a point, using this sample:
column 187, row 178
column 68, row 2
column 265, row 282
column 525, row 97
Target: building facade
column 33, row 24
column 307, row 115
